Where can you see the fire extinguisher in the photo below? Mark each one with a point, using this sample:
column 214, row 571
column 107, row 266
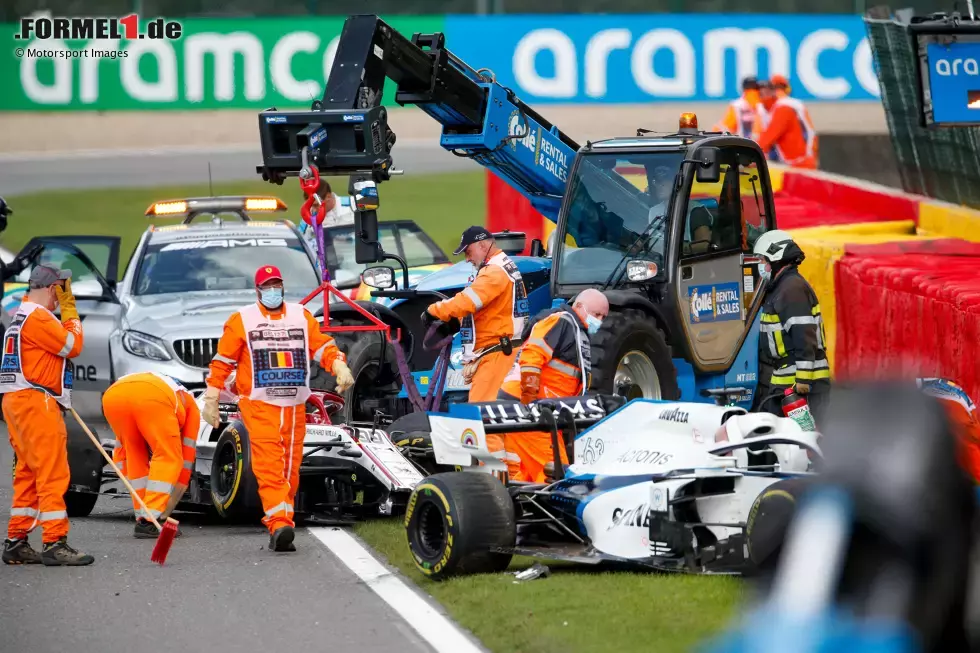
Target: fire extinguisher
column 797, row 408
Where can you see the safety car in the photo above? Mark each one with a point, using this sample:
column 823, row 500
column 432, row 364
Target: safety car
column 345, row 473
column 655, row 485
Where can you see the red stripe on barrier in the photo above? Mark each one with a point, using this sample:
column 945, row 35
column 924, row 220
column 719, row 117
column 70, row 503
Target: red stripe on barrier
column 878, row 201
column 797, row 213
column 508, row 209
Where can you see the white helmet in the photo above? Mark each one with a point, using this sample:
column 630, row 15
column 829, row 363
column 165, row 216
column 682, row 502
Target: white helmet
column 772, row 245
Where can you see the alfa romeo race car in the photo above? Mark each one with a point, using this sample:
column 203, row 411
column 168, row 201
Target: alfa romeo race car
column 345, row 473
column 654, row 485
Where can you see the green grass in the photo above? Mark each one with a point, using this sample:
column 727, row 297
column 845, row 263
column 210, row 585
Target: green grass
column 573, row 610
column 442, row 205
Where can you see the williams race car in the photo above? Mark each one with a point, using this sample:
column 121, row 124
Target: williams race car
column 656, row 485
column 345, row 473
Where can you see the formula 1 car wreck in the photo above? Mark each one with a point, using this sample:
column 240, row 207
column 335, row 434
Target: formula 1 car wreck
column 654, row 485
column 346, row 472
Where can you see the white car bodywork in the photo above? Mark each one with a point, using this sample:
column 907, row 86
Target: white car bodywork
column 628, row 466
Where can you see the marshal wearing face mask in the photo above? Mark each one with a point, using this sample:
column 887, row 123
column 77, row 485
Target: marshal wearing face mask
column 271, row 344
column 555, row 361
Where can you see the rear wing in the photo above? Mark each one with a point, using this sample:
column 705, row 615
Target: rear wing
column 459, row 436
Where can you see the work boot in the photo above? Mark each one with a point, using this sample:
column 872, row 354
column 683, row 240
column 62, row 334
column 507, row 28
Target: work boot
column 145, row 530
column 20, row 552
column 58, row 554
column 282, row 539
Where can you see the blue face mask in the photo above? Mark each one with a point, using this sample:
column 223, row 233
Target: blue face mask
column 593, row 324
column 271, row 297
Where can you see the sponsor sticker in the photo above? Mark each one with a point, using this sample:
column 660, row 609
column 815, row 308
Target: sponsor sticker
column 715, row 303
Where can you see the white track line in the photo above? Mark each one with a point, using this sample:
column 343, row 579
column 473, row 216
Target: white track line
column 439, row 631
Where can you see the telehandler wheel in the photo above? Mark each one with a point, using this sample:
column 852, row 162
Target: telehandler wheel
column 631, row 358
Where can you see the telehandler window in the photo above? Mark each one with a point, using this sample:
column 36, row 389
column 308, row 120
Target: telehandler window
column 753, row 204
column 714, row 211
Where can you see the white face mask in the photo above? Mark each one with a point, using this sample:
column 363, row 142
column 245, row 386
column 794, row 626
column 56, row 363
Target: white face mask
column 271, row 297
column 593, row 323
column 765, row 270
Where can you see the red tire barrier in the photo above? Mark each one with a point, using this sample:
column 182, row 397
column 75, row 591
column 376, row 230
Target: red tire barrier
column 909, row 309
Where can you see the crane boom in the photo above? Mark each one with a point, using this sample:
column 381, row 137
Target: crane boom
column 481, row 119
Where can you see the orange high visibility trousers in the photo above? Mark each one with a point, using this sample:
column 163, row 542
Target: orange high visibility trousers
column 275, row 436
column 41, row 474
column 528, row 452
column 156, row 458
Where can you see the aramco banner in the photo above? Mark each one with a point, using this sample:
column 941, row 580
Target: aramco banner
column 131, row 63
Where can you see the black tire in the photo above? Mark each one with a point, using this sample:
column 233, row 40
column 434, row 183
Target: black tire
column 80, row 504
column 625, row 332
column 410, row 433
column 85, row 463
column 411, row 430
column 234, row 490
column 454, row 520
column 769, row 518
column 373, row 379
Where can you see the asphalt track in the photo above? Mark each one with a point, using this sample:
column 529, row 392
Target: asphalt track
column 221, row 589
column 178, row 165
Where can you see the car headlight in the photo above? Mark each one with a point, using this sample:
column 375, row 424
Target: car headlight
column 145, row 346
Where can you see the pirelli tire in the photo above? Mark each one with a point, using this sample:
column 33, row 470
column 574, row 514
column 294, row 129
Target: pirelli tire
column 454, row 521
column 631, row 358
column 234, row 490
column 768, row 521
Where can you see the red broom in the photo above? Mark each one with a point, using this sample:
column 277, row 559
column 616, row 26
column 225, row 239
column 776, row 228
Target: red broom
column 167, row 532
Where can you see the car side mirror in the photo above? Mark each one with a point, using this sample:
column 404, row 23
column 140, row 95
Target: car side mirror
column 381, row 277
column 537, row 248
column 639, row 270
column 708, row 168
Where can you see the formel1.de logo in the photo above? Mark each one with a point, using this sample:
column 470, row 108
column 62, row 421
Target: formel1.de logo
column 77, row 28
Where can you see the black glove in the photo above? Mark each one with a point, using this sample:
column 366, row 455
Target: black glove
column 427, row 320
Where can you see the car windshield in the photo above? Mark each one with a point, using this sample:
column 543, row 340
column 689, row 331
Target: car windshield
column 223, row 264
column 395, row 238
column 613, row 198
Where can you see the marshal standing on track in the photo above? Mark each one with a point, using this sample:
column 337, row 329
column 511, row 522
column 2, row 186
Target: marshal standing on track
column 271, row 343
column 36, row 379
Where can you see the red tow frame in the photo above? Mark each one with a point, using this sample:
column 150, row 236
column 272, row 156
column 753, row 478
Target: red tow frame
column 314, row 217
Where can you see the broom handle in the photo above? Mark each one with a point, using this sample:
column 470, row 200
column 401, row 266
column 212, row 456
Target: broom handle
column 105, row 455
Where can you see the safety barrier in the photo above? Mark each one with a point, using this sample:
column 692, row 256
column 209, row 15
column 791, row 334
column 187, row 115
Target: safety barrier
column 910, row 309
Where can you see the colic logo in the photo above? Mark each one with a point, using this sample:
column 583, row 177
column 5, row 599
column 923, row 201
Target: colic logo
column 956, row 67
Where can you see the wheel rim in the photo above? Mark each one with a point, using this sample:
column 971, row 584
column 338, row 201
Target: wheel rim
column 225, row 461
column 431, row 531
column 636, row 377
